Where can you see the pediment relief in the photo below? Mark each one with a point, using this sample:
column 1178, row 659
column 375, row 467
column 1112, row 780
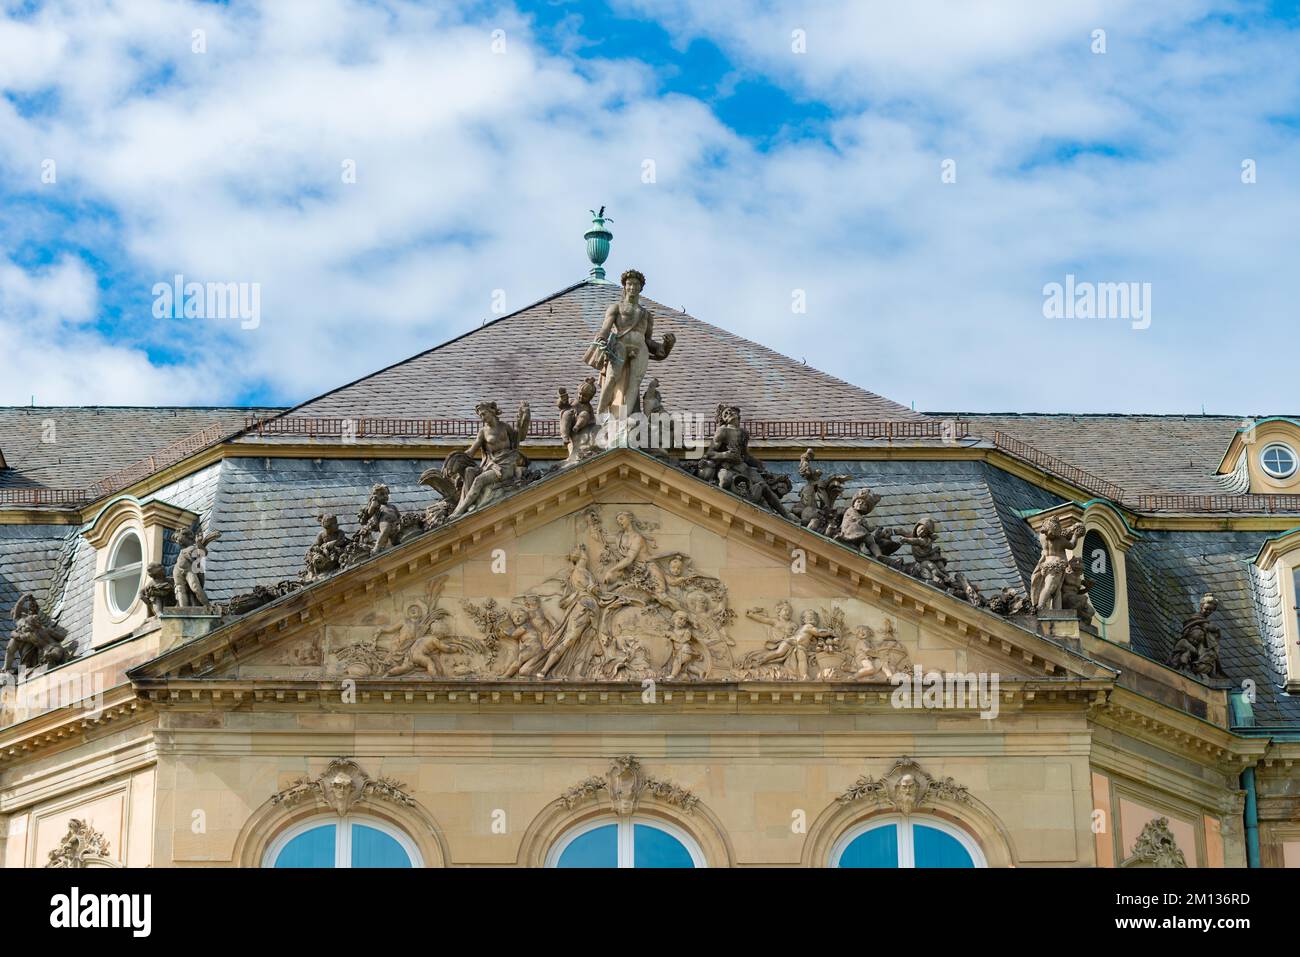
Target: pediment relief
column 627, row 580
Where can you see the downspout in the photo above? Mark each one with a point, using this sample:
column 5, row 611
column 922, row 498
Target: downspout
column 1241, row 715
column 1251, row 818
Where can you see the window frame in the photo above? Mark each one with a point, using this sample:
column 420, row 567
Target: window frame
column 1279, row 476
column 342, row 838
column 111, row 575
column 906, row 840
column 626, row 838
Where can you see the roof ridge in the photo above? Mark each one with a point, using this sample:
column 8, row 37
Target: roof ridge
column 285, row 412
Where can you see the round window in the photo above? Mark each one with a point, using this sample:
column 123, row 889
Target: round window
column 1278, row 460
column 125, row 572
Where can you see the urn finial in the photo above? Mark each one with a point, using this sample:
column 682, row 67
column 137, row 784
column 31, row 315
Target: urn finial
column 598, row 238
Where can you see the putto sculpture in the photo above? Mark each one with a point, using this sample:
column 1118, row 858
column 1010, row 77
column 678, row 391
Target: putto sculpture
column 1049, row 574
column 379, row 518
column 35, row 640
column 624, row 347
column 1197, row 648
column 326, row 553
column 727, row 463
column 188, row 572
column 816, row 510
column 578, row 426
column 158, row 591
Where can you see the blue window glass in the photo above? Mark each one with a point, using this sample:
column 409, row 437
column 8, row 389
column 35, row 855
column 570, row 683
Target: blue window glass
column 877, row 847
column 934, row 848
column 314, row 848
column 652, row 847
column 374, row 848
column 595, row 848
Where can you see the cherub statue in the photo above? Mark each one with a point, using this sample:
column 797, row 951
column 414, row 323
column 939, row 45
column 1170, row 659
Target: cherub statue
column 501, row 460
column 188, row 572
column 818, row 496
column 325, row 554
column 1074, row 590
column 531, row 647
column 380, row 517
column 420, row 647
column 624, row 347
column 1197, row 649
column 688, row 652
column 578, row 426
column 857, row 531
column 158, row 591
column 878, row 661
column 792, row 650
column 35, row 640
column 1049, row 573
column 726, row 461
column 927, row 557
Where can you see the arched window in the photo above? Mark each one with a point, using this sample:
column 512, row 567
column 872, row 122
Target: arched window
column 125, row 572
column 1099, row 569
column 638, row 842
column 351, row 841
column 913, row 841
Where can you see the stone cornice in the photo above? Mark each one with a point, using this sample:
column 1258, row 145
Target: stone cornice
column 1172, row 730
column 71, row 724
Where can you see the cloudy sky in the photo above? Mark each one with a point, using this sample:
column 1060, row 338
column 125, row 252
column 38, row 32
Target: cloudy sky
column 750, row 154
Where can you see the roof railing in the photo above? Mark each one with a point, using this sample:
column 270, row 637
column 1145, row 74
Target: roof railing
column 762, row 429
column 1050, row 463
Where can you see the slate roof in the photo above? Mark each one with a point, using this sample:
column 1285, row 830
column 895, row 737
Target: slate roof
column 527, row 355
column 76, row 446
column 1143, row 454
column 1168, row 572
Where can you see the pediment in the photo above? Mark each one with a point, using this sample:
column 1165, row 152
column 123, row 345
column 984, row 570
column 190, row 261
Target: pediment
column 621, row 569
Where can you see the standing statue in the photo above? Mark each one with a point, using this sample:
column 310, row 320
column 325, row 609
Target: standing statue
column 188, row 572
column 1197, row 649
column 35, row 640
column 1049, row 574
column 624, row 347
column 500, row 462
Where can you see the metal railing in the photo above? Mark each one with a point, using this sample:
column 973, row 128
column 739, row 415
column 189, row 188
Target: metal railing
column 763, row 429
column 1059, row 467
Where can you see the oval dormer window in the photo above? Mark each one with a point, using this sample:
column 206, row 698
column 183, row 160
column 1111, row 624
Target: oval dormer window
column 1278, row 460
column 125, row 572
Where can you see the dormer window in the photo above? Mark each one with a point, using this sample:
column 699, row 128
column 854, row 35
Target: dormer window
column 125, row 572
column 127, row 536
column 1278, row 460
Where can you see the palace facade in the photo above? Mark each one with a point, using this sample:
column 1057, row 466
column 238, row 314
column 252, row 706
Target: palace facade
column 708, row 607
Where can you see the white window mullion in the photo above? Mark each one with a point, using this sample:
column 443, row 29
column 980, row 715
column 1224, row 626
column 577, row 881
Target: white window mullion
column 906, row 846
column 343, row 843
column 626, row 843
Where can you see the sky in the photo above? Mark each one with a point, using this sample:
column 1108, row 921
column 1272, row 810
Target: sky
column 885, row 190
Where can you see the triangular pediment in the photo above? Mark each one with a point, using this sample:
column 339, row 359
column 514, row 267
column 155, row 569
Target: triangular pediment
column 621, row 569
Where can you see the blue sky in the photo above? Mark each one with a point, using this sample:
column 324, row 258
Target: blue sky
column 797, row 152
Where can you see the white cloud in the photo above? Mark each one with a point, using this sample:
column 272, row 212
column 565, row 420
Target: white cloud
column 475, row 169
